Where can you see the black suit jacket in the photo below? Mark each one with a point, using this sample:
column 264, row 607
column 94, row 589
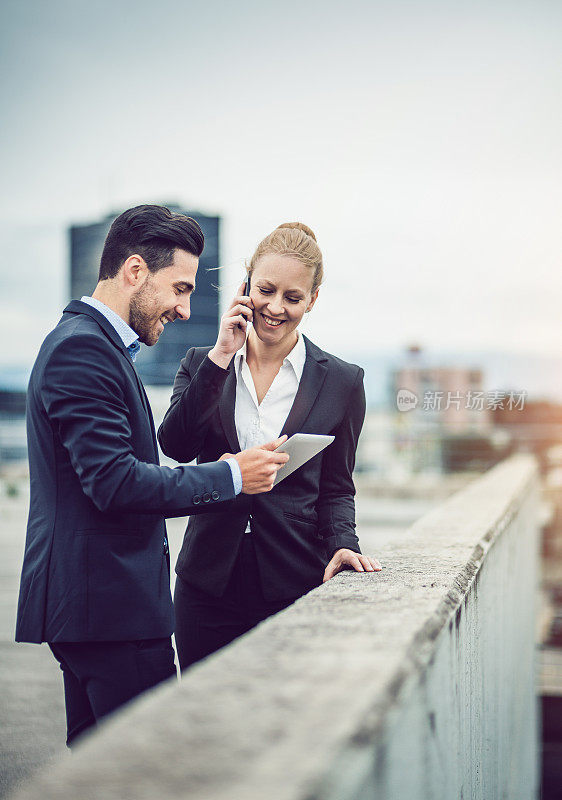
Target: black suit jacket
column 96, row 566
column 305, row 518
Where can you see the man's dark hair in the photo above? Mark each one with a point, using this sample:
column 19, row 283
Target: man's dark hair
column 154, row 232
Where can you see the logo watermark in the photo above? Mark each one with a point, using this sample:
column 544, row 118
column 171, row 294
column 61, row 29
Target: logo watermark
column 406, row 400
column 470, row 401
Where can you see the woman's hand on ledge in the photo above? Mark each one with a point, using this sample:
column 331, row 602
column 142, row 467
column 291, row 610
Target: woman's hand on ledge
column 347, row 559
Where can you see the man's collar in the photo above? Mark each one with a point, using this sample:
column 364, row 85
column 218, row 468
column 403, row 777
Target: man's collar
column 125, row 332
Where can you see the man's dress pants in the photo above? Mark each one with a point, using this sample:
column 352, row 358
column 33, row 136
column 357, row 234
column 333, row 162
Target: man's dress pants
column 99, row 677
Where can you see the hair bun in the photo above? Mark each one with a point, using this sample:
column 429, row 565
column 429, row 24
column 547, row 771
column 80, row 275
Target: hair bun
column 300, row 226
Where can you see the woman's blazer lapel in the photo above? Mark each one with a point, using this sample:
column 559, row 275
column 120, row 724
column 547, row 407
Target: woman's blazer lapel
column 313, row 376
column 312, row 380
column 226, row 410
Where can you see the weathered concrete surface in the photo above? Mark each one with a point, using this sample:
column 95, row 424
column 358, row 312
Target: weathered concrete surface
column 416, row 682
column 32, row 724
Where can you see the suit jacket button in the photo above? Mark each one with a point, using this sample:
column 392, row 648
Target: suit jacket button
column 206, row 497
column 196, row 499
column 215, row 495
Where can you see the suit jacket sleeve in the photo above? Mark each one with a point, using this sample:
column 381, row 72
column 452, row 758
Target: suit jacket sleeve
column 195, row 397
column 84, row 398
column 336, row 503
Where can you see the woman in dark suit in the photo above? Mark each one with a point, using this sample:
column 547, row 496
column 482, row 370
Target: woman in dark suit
column 261, row 552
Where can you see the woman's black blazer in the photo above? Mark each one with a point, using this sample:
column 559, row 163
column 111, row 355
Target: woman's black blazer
column 297, row 526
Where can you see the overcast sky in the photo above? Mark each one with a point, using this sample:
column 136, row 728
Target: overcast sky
column 421, row 142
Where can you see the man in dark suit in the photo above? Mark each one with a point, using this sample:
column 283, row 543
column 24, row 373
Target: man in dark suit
column 95, row 578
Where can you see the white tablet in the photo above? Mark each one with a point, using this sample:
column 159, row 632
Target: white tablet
column 301, row 447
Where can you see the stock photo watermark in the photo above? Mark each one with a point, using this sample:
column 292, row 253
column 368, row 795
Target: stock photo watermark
column 470, row 401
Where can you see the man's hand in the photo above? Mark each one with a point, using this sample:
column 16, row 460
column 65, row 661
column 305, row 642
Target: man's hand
column 347, row 559
column 259, row 466
column 232, row 331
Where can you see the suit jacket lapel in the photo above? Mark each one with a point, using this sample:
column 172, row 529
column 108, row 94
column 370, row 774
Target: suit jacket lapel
column 148, row 410
column 143, row 397
column 78, row 307
column 313, row 376
column 226, row 410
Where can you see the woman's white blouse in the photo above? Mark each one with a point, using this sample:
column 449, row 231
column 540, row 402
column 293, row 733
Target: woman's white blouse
column 260, row 423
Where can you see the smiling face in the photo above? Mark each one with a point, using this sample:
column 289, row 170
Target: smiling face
column 281, row 291
column 163, row 297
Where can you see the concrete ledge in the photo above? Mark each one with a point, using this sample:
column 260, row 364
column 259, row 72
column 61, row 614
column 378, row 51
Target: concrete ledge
column 414, row 682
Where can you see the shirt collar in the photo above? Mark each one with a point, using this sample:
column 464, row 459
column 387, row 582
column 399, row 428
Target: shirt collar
column 125, row 332
column 296, row 358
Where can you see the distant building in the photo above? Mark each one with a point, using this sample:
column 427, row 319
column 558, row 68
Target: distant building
column 13, row 443
column 443, row 417
column 536, row 427
column 451, row 397
column 157, row 365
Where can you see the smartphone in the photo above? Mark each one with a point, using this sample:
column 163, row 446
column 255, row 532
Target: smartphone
column 246, row 289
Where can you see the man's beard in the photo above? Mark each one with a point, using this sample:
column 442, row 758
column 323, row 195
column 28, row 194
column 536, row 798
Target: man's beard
column 140, row 318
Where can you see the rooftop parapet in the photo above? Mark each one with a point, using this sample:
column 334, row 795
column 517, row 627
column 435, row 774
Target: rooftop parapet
column 416, row 682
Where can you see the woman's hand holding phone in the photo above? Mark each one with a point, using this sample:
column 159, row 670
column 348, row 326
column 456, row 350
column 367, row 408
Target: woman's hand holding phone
column 232, row 330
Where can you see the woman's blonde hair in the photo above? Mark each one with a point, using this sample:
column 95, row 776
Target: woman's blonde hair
column 292, row 239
